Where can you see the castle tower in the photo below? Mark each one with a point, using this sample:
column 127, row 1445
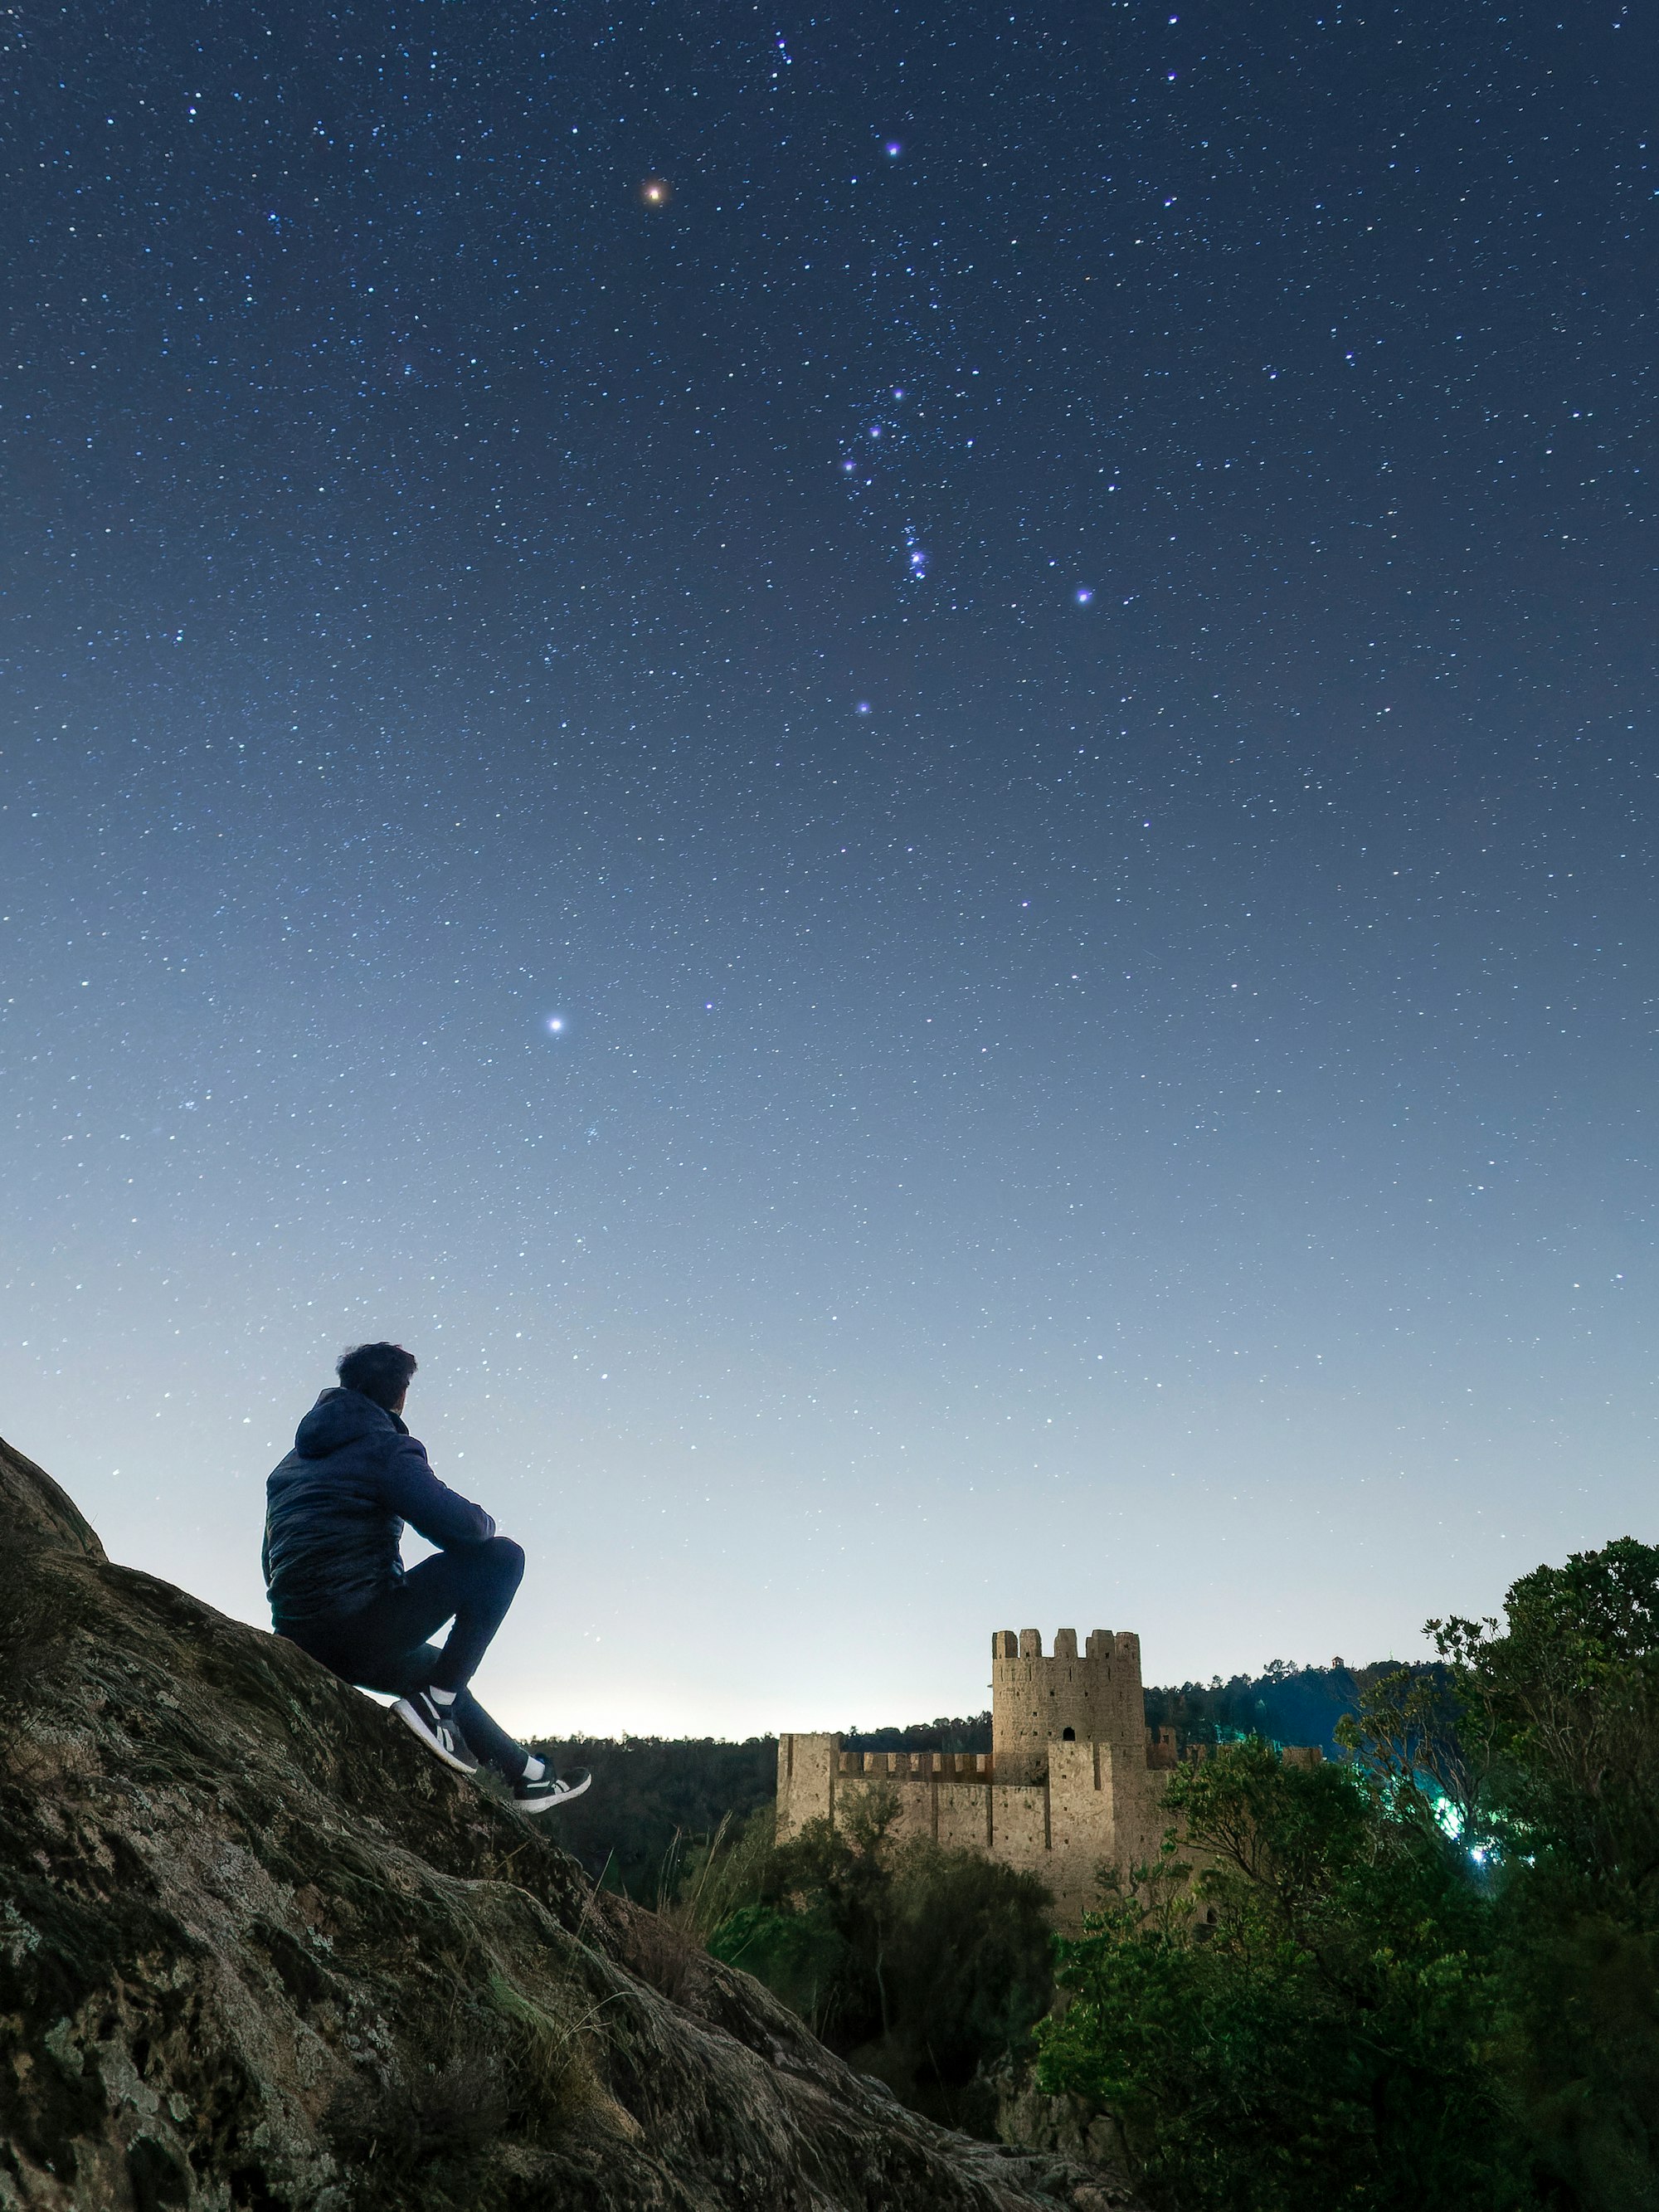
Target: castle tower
column 1092, row 1698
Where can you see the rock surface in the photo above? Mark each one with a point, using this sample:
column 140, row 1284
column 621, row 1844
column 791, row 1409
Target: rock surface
column 257, row 1949
column 1064, row 2125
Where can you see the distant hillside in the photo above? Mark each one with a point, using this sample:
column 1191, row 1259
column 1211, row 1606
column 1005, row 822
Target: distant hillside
column 652, row 1796
column 1286, row 1704
column 969, row 1732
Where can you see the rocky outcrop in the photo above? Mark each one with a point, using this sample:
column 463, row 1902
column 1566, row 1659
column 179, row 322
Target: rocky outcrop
column 258, row 1950
column 1064, row 2126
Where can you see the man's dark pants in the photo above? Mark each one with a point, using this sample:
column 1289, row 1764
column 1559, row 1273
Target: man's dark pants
column 383, row 1645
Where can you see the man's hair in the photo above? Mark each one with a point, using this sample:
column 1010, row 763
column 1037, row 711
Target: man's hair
column 381, row 1372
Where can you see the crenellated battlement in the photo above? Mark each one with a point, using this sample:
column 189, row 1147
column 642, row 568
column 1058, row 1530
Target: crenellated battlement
column 1102, row 1645
column 919, row 1766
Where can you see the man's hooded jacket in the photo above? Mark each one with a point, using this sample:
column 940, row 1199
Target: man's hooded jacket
column 336, row 1507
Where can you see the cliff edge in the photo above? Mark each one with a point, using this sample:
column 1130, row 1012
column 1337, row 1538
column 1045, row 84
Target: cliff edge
column 257, row 1949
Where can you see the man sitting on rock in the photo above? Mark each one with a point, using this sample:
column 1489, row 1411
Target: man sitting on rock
column 334, row 1520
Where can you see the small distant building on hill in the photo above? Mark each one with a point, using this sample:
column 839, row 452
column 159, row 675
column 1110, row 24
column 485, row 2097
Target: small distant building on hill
column 1074, row 1779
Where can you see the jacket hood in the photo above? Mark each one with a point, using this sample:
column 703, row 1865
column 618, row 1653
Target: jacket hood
column 340, row 1417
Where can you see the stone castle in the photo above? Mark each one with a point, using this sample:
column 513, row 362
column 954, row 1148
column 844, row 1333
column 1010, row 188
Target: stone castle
column 1074, row 1779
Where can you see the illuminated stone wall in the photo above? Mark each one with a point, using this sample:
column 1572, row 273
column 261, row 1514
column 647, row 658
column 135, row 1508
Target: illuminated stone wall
column 1075, row 1782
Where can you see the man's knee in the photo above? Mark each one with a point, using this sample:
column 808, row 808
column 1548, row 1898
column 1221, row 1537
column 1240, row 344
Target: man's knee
column 506, row 1561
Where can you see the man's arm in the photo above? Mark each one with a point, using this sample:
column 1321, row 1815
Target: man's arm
column 434, row 1510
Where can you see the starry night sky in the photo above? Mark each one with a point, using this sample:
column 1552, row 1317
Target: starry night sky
column 1044, row 657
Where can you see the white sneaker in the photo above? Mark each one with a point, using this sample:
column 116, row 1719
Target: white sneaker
column 435, row 1726
column 552, row 1789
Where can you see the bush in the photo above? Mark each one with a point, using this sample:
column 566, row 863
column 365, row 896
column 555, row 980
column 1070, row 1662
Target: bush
column 650, row 1792
column 919, row 1964
column 1310, row 2021
column 1430, row 1977
column 1304, row 2024
column 1542, row 1735
column 798, row 1955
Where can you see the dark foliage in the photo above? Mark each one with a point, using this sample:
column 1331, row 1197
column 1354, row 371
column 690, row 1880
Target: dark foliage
column 968, row 1732
column 1282, row 1705
column 922, row 1966
column 652, row 1796
column 1543, row 1732
column 1311, row 2022
column 1430, row 1977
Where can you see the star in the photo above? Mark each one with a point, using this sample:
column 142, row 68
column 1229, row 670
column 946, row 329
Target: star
column 655, row 192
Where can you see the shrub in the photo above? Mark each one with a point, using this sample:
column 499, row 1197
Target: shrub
column 1310, row 2022
column 920, row 1965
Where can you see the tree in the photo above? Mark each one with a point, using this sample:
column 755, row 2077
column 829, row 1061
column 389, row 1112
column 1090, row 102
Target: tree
column 1307, row 2021
column 1542, row 1732
column 919, row 1964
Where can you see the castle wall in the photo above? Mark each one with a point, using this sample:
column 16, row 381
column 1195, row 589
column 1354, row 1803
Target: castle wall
column 942, row 1796
column 1019, row 1825
column 806, row 1780
column 1106, row 1809
column 1083, row 1824
column 965, row 1815
column 1060, row 1829
column 1056, row 1806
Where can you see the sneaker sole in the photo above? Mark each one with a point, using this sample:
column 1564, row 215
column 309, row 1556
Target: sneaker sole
column 534, row 1806
column 407, row 1714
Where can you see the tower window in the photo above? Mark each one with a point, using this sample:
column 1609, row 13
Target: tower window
column 1068, row 1736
